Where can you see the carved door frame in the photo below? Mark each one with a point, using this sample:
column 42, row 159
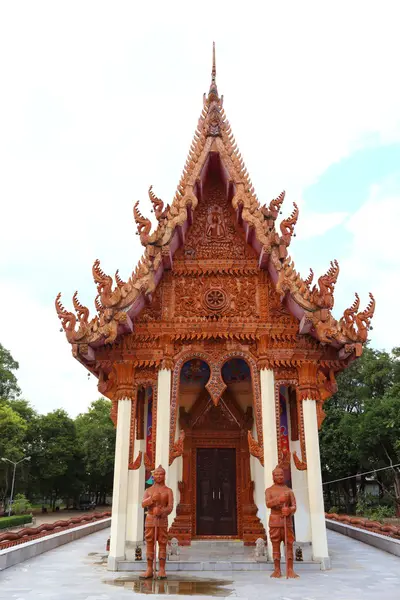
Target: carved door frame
column 249, row 526
column 212, row 439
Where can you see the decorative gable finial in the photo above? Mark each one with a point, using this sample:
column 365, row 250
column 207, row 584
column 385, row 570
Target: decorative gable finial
column 213, row 93
column 214, row 68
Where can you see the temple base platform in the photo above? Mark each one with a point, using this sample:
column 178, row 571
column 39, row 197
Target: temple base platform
column 212, row 555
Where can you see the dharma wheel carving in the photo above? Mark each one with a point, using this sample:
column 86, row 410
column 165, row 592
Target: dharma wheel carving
column 215, row 299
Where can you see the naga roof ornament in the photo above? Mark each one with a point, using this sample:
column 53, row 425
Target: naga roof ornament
column 118, row 302
column 158, row 205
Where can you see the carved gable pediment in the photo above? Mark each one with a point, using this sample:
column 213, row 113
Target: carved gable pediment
column 216, row 418
column 205, row 415
column 214, row 235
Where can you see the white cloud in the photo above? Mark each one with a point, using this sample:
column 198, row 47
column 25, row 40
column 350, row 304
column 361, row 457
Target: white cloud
column 312, row 224
column 100, row 100
column 373, row 262
column 48, row 374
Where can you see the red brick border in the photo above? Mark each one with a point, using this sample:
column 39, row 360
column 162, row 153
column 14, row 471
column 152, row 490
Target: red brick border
column 374, row 526
column 14, row 538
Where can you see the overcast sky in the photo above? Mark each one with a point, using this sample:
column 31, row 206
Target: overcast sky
column 98, row 100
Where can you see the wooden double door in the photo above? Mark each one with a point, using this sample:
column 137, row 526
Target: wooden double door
column 216, row 509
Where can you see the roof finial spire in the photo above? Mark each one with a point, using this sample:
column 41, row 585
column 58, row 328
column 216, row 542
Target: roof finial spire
column 214, row 68
column 213, row 93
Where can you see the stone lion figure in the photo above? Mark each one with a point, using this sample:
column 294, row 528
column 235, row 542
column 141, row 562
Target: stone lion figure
column 173, row 549
column 260, row 549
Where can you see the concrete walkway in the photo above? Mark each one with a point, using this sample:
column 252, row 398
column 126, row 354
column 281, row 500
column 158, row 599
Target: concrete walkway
column 77, row 571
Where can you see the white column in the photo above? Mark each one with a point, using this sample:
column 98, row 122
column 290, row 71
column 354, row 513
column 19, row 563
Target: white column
column 175, row 475
column 136, row 484
column 300, row 488
column 315, row 496
column 257, row 475
column 299, row 485
column 163, row 419
column 269, row 433
column 135, row 512
column 120, row 487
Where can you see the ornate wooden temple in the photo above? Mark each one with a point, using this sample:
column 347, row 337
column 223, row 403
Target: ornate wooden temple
column 216, row 354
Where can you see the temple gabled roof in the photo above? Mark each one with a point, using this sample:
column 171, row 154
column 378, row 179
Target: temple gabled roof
column 118, row 304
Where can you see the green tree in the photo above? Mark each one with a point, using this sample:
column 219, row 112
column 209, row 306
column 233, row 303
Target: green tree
column 379, row 372
column 23, row 408
column 340, row 455
column 9, row 387
column 13, row 430
column 361, row 431
column 57, row 460
column 24, row 481
column 21, row 505
column 380, row 442
column 96, row 436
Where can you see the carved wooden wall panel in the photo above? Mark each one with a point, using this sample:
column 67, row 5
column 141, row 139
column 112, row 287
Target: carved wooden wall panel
column 219, row 295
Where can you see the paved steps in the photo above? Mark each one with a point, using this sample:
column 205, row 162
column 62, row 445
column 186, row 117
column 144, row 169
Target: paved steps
column 214, row 555
column 217, row 565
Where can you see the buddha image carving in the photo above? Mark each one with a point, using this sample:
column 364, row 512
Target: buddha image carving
column 215, row 225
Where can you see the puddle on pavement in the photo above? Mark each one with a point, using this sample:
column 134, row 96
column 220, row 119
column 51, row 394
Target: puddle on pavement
column 96, row 558
column 199, row 587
